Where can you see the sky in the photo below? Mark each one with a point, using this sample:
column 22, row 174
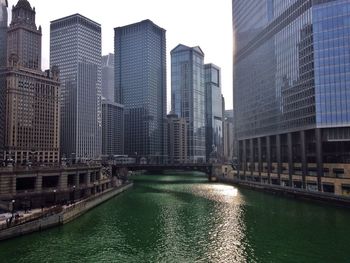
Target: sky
column 204, row 23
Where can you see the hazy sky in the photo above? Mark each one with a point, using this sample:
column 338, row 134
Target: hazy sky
column 206, row 23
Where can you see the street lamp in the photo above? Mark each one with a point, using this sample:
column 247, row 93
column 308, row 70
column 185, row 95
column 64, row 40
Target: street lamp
column 54, row 196
column 13, row 206
column 73, row 193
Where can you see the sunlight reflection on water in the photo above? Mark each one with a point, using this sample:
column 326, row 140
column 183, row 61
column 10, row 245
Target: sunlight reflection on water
column 224, row 237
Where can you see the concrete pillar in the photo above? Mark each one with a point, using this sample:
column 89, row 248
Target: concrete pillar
column 259, row 158
column 279, row 158
column 6, row 184
column 268, row 157
column 76, row 179
column 63, row 181
column 303, row 157
column 39, row 183
column 92, row 177
column 290, row 158
column 319, row 159
column 87, row 178
column 251, row 158
column 244, row 158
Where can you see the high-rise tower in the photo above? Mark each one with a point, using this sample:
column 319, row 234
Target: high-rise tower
column 3, row 32
column 75, row 47
column 188, row 97
column 140, row 85
column 3, row 56
column 31, row 96
column 108, row 77
column 24, row 38
column 214, row 113
column 291, row 92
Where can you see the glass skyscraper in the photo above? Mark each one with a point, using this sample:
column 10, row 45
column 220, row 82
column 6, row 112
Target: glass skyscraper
column 112, row 128
column 140, row 85
column 75, row 47
column 214, row 112
column 188, row 97
column 108, row 77
column 291, row 92
column 112, row 112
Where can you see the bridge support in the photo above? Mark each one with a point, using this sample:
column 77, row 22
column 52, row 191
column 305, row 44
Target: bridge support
column 214, row 172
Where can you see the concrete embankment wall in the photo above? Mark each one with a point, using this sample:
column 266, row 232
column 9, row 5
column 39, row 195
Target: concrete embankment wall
column 291, row 192
column 37, row 225
column 77, row 210
column 68, row 214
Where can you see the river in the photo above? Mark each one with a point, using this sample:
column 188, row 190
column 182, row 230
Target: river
column 183, row 218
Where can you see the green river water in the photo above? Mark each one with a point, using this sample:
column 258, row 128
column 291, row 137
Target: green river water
column 183, row 218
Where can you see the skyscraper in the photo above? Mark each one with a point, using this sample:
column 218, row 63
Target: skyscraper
column 214, row 114
column 177, row 139
column 140, row 85
column 112, row 128
column 3, row 32
column 32, row 97
column 108, row 77
column 3, row 55
column 188, row 97
column 24, row 38
column 112, row 112
column 291, row 95
column 75, row 47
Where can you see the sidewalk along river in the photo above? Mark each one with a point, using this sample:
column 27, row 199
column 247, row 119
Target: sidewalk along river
column 183, row 218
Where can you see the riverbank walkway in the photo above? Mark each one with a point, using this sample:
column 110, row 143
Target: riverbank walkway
column 21, row 217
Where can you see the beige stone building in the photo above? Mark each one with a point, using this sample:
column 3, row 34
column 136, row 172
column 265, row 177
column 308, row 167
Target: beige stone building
column 31, row 96
column 177, row 139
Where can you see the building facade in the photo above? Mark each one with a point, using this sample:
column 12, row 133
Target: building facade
column 112, row 128
column 108, row 77
column 177, row 139
column 3, row 63
column 3, row 32
column 75, row 47
column 188, row 97
column 140, row 85
column 31, row 96
column 214, row 113
column 228, row 138
column 291, row 101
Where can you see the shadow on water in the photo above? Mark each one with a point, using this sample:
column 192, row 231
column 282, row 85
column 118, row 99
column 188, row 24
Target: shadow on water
column 143, row 181
column 167, row 178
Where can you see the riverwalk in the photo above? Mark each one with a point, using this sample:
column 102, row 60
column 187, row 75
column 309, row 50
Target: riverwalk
column 290, row 192
column 20, row 223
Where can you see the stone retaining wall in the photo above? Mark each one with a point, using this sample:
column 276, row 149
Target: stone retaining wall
column 68, row 214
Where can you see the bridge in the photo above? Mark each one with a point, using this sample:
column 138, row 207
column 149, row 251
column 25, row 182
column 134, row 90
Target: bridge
column 211, row 170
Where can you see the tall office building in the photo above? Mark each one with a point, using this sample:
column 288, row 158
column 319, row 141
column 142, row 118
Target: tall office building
column 291, row 95
column 214, row 113
column 31, row 96
column 75, row 47
column 112, row 128
column 3, row 56
column 188, row 97
column 112, row 112
column 108, row 77
column 140, row 85
column 177, row 139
